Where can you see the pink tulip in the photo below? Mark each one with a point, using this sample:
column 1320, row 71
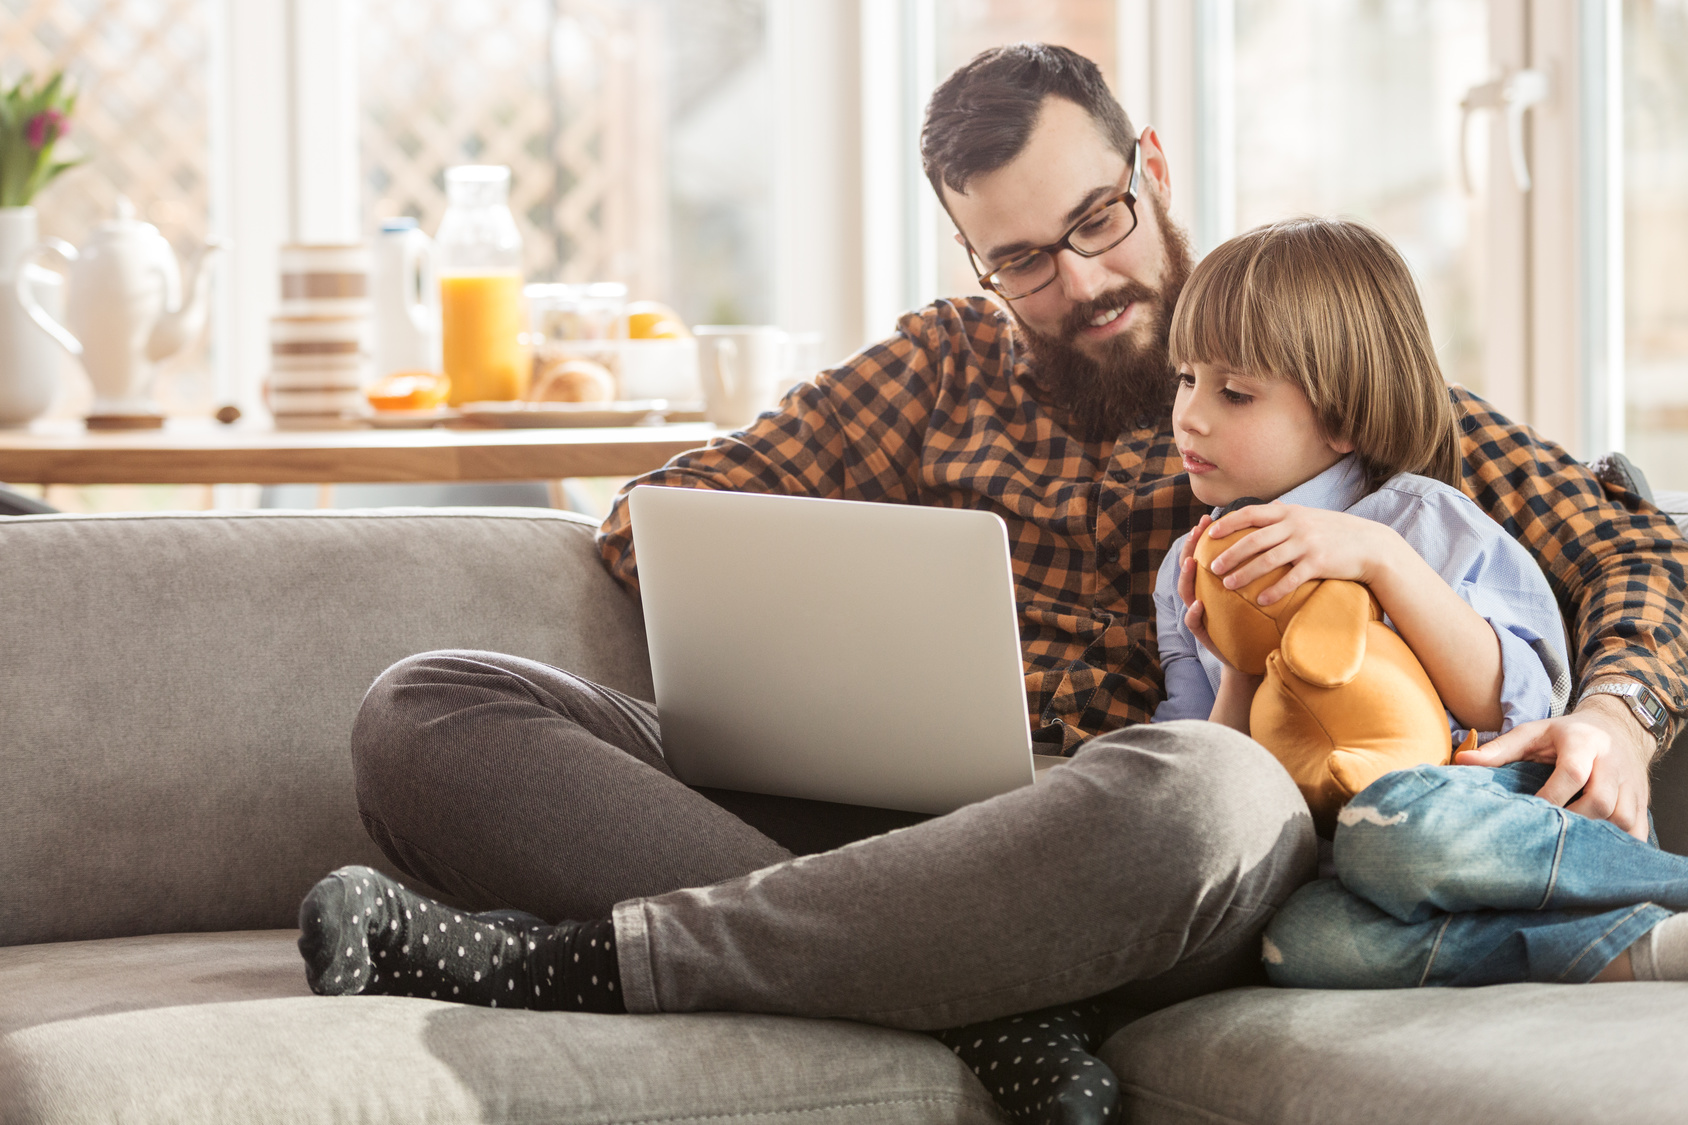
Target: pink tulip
column 44, row 128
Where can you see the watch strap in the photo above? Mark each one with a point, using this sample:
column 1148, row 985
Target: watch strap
column 1652, row 714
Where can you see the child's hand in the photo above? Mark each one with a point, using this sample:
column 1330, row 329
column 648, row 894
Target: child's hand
column 1186, row 560
column 1314, row 543
column 1195, row 614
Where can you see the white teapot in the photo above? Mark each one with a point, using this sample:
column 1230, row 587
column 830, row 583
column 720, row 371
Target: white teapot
column 123, row 306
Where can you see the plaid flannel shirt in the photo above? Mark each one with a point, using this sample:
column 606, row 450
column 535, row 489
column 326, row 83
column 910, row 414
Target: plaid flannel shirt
column 946, row 412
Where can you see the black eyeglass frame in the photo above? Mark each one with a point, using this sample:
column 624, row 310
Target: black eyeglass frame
column 1128, row 197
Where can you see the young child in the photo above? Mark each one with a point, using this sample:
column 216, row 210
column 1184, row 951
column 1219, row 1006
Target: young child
column 1307, row 379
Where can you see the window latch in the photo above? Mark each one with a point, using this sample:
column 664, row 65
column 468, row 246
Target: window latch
column 1514, row 92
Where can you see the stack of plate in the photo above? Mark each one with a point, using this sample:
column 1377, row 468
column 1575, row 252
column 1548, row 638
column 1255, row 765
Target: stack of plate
column 320, row 336
column 318, row 369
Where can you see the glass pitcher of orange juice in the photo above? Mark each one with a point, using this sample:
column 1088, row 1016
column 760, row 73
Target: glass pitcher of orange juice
column 483, row 316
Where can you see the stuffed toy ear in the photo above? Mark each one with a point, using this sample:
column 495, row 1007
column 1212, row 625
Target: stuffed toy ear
column 1325, row 641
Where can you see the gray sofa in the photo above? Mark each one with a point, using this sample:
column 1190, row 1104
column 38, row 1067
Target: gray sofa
column 175, row 696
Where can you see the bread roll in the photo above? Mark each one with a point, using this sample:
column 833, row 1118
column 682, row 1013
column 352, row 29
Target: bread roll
column 572, row 380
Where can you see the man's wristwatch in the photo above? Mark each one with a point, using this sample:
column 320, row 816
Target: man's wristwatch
column 1652, row 714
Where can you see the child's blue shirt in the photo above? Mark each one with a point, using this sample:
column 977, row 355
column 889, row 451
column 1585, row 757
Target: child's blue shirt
column 1487, row 568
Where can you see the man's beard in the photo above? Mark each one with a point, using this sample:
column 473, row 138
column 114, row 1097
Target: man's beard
column 1131, row 381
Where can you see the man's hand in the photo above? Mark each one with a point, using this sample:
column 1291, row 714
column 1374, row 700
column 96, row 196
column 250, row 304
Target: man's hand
column 1598, row 750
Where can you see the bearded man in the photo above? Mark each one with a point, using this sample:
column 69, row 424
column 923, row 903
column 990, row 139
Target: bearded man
column 1144, row 870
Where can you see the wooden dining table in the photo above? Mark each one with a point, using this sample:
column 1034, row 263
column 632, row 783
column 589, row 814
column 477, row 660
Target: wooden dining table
column 195, row 451
column 188, row 451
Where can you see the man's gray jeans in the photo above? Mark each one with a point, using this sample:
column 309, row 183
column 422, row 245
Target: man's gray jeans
column 1145, row 868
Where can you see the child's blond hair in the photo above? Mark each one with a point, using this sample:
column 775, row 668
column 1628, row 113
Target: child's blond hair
column 1331, row 306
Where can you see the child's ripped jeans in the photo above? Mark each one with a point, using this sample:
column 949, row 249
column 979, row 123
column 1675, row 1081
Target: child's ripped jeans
column 1460, row 875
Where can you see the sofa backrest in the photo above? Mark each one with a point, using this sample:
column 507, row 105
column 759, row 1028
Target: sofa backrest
column 1670, row 773
column 177, row 692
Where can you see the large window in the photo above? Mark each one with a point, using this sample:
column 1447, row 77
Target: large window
column 755, row 160
column 1479, row 135
column 1353, row 109
column 142, row 123
column 636, row 131
column 143, row 127
column 1655, row 203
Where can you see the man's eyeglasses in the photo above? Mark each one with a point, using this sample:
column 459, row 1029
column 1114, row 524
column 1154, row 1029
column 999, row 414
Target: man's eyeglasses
column 1101, row 230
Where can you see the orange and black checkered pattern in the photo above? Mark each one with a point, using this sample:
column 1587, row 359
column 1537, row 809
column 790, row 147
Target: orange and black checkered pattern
column 946, row 413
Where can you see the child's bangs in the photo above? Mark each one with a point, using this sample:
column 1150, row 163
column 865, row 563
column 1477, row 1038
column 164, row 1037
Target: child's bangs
column 1229, row 316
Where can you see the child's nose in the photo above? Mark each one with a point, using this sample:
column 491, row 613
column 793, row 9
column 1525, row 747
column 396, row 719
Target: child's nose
column 1185, row 416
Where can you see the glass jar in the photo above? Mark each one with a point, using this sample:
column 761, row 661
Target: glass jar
column 593, row 311
column 579, row 328
column 483, row 317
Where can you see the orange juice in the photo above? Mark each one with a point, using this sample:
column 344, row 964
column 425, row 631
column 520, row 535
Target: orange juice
column 483, row 321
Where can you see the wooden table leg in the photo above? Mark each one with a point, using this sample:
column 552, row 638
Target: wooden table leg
column 559, row 498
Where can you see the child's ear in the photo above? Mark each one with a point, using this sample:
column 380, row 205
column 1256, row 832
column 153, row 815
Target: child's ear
column 1340, row 446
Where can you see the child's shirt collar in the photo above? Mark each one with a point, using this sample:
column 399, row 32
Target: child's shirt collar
column 1336, row 489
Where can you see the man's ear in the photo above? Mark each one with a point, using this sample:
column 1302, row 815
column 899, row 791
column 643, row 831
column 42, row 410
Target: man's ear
column 960, row 241
column 1155, row 165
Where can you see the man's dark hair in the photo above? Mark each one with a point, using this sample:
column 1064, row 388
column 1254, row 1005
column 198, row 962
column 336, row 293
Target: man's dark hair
column 981, row 117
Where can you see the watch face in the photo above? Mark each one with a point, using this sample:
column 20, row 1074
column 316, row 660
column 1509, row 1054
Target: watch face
column 1650, row 711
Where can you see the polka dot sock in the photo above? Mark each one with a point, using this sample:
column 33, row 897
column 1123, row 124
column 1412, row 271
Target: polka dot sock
column 1039, row 1067
column 362, row 933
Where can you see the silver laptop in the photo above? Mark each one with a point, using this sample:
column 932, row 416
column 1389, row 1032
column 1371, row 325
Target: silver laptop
column 862, row 653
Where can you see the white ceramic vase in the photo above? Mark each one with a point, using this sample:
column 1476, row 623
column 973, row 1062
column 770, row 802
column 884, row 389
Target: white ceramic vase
column 31, row 363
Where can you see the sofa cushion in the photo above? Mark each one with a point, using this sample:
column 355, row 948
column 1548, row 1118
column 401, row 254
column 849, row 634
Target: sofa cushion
column 63, row 982
column 1527, row 1054
column 177, row 692
column 219, row 1027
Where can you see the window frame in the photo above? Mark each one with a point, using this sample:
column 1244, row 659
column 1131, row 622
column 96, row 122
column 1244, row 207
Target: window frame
column 283, row 159
column 856, row 221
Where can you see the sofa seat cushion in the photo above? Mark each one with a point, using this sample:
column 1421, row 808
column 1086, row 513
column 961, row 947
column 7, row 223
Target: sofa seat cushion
column 1525, row 1053
column 220, row 1027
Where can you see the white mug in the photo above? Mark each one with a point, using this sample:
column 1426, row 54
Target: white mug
column 743, row 369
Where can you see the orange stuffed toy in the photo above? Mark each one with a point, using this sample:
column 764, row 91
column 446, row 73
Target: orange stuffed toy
column 1344, row 700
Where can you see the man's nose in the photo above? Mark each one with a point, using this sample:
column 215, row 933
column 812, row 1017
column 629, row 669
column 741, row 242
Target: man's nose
column 1082, row 279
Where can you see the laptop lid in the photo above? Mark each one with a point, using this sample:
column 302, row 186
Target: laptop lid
column 837, row 650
